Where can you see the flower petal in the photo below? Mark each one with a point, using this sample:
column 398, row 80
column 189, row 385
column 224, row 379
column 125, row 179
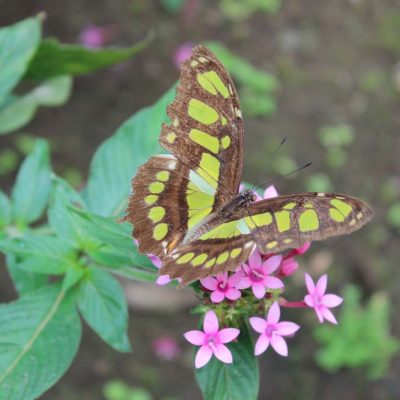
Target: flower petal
column 155, row 260
column 226, row 335
column 286, row 328
column 289, row 267
column 233, row 294
column 270, row 192
column 258, row 290
column 217, row 296
column 210, row 323
column 244, row 283
column 244, row 268
column 273, row 283
column 163, row 280
column 258, row 324
column 328, row 315
column 255, row 259
column 321, row 284
column 209, row 283
column 309, row 300
column 261, row 345
column 310, row 284
column 318, row 311
column 331, row 300
column 272, row 264
column 222, row 277
column 274, row 313
column 203, row 356
column 279, row 345
column 223, row 353
column 304, row 248
column 235, row 279
column 195, row 337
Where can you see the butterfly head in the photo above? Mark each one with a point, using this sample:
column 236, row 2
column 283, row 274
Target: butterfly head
column 248, row 196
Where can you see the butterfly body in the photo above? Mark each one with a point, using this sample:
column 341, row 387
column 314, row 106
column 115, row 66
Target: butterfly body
column 186, row 207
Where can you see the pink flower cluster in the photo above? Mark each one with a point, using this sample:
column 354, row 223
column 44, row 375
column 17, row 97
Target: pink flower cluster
column 271, row 330
column 258, row 277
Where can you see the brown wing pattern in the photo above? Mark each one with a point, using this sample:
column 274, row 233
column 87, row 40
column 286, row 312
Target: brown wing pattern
column 199, row 259
column 206, row 129
column 292, row 220
column 157, row 208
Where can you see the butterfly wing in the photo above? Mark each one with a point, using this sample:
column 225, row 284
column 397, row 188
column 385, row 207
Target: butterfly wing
column 159, row 204
column 206, row 129
column 205, row 137
column 272, row 225
column 202, row 258
column 290, row 221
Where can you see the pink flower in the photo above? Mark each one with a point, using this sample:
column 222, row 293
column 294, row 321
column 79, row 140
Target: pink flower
column 161, row 279
column 300, row 250
column 270, row 192
column 272, row 330
column 288, row 266
column 94, row 37
column 321, row 302
column 222, row 287
column 212, row 341
column 256, row 274
column 166, row 348
column 182, row 53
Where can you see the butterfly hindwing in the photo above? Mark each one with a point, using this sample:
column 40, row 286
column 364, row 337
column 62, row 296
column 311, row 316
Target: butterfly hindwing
column 157, row 208
column 206, row 129
column 200, row 259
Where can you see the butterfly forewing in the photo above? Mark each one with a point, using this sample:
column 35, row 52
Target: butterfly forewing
column 206, row 129
column 290, row 221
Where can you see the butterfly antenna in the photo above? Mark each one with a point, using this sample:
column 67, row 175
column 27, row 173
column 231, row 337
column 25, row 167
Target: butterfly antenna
column 277, row 178
column 276, row 150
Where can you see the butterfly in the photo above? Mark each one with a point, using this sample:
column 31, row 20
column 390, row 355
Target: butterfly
column 186, row 208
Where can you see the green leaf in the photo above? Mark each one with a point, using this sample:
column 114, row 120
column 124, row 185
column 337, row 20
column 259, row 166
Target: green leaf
column 5, row 210
column 19, row 110
column 111, row 242
column 102, row 304
column 109, row 256
column 236, row 381
column 31, row 190
column 18, row 43
column 39, row 337
column 63, row 223
column 117, row 159
column 40, row 254
column 54, row 58
column 137, row 274
column 24, row 281
column 105, row 230
column 74, row 274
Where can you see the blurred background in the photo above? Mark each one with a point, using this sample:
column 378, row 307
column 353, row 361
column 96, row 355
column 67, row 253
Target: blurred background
column 323, row 75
